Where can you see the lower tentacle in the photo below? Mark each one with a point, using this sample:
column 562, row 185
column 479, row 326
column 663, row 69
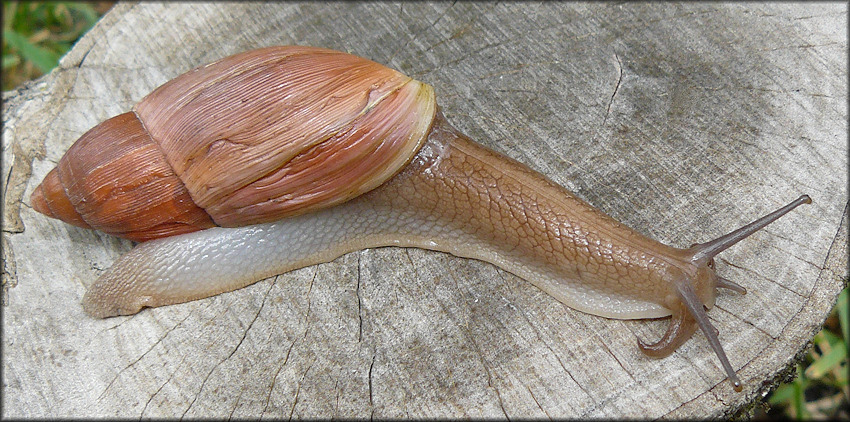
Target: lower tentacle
column 681, row 328
column 730, row 285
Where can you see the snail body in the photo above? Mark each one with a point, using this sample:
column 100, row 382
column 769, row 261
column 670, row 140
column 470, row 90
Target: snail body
column 346, row 154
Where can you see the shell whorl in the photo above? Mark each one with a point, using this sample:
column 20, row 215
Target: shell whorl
column 251, row 138
column 115, row 179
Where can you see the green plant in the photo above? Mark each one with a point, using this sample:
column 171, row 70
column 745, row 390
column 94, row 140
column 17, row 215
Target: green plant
column 821, row 389
column 36, row 35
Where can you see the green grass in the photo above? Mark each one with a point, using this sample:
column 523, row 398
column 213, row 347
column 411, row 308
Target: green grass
column 821, row 389
column 36, row 35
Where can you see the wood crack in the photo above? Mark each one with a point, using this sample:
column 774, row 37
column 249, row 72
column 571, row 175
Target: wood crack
column 309, row 301
column 545, row 343
column 243, row 386
column 371, row 397
column 170, row 376
column 291, row 346
column 274, row 379
column 487, row 371
column 232, row 352
column 159, row 340
column 537, row 402
column 431, row 26
column 749, row 271
column 359, row 304
column 298, row 390
column 759, row 329
column 616, row 88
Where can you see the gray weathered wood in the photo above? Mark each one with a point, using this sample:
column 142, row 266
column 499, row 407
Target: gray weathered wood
column 683, row 121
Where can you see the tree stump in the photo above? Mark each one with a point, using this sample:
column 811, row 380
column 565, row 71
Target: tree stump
column 683, row 121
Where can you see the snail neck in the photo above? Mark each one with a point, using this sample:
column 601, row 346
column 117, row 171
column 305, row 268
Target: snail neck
column 459, row 197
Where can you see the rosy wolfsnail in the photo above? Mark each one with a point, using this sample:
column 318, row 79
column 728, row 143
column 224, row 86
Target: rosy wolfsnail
column 284, row 157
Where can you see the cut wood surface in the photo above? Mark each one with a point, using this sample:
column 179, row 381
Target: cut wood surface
column 683, row 121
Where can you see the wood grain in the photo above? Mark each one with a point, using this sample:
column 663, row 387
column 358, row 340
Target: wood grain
column 683, row 121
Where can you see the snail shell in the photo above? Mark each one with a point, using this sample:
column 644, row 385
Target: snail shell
column 238, row 142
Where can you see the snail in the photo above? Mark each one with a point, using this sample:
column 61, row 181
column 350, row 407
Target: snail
column 284, row 157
